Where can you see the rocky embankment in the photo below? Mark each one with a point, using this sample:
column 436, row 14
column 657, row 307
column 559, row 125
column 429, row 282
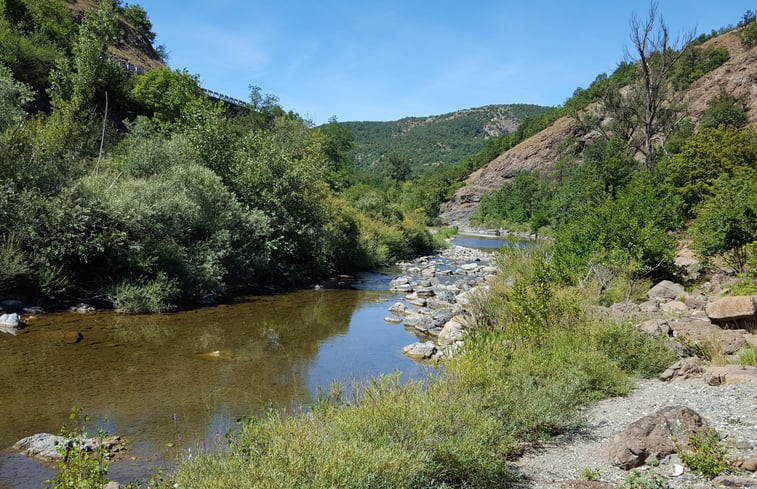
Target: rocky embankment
column 438, row 290
column 705, row 389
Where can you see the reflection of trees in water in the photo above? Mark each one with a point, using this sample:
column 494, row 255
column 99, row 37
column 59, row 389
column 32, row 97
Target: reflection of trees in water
column 139, row 370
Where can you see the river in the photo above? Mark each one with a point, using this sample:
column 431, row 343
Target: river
column 177, row 382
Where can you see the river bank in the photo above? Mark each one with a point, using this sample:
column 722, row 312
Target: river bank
column 131, row 373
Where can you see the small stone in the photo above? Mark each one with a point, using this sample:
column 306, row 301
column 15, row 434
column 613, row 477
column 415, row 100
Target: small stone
column 677, row 470
column 392, row 319
column 750, row 465
column 398, row 308
column 403, row 288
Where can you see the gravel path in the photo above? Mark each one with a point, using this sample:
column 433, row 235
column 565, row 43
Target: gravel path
column 731, row 409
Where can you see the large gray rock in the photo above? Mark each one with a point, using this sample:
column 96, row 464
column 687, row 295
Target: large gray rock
column 453, row 331
column 44, row 446
column 653, row 435
column 10, row 323
column 684, row 368
column 655, row 327
column 731, row 309
column 425, row 292
column 12, row 320
column 666, row 290
column 398, row 308
column 420, row 350
column 703, row 332
column 731, row 374
column 674, row 307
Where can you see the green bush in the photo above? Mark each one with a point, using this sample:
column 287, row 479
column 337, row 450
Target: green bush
column 724, row 110
column 630, row 230
column 639, row 480
column 748, row 357
column 145, row 296
column 80, row 468
column 726, row 223
column 749, row 35
column 704, row 453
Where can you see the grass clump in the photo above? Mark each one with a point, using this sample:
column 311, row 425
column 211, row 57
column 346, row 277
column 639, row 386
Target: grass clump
column 637, row 480
column 590, row 474
column 749, row 357
column 704, row 453
column 533, row 359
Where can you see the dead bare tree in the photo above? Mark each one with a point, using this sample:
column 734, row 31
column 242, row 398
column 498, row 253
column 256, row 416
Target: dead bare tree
column 655, row 53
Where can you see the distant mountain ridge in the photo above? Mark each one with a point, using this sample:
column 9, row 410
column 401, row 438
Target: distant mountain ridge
column 428, row 142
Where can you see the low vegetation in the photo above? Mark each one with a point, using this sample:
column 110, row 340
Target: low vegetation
column 704, row 453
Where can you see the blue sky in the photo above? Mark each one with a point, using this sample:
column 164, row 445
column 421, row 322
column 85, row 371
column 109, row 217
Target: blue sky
column 384, row 60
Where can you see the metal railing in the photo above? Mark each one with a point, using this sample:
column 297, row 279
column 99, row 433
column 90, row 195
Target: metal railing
column 132, row 69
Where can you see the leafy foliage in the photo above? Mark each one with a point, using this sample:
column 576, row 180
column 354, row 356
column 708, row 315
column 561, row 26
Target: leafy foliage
column 724, row 110
column 80, row 467
column 703, row 453
column 726, row 223
column 695, row 63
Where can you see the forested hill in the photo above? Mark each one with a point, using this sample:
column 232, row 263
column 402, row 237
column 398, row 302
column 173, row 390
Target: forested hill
column 426, row 142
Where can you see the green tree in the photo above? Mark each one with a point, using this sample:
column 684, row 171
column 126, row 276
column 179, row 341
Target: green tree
column 726, row 223
column 397, row 167
column 14, row 97
column 708, row 154
column 137, row 17
column 338, row 142
column 167, row 94
column 724, row 109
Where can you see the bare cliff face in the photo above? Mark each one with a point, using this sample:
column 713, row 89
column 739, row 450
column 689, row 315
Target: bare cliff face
column 737, row 77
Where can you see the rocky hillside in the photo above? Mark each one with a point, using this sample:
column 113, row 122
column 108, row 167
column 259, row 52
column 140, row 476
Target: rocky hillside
column 132, row 46
column 427, row 142
column 737, row 77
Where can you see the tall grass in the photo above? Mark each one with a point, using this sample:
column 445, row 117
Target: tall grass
column 532, row 361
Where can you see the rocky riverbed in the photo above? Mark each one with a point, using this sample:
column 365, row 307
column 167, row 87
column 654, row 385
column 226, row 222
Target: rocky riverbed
column 438, row 291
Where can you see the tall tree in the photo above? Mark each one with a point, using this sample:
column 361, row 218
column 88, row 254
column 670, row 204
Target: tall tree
column 657, row 54
column 646, row 112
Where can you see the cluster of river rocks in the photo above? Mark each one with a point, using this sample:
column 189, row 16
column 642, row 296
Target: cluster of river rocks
column 438, row 290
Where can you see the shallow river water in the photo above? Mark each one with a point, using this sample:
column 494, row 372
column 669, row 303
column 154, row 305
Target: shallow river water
column 177, row 382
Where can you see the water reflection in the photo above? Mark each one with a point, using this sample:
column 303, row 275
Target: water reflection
column 486, row 243
column 183, row 379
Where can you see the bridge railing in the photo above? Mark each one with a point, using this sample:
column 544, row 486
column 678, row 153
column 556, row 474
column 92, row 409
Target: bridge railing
column 132, row 69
